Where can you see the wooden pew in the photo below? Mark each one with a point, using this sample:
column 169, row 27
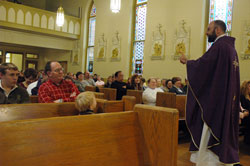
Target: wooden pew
column 109, row 93
column 172, row 100
column 165, row 99
column 137, row 94
column 33, row 99
column 99, row 95
column 10, row 112
column 90, row 88
column 145, row 136
column 126, row 104
column 181, row 106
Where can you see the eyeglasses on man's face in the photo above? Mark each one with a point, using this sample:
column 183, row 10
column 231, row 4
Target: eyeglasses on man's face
column 59, row 70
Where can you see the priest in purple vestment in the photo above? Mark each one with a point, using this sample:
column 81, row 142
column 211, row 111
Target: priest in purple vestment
column 212, row 109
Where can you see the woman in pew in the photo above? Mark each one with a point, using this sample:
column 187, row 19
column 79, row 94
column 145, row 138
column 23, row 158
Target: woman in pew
column 149, row 95
column 135, row 83
column 109, row 82
column 85, row 103
column 30, row 76
column 245, row 103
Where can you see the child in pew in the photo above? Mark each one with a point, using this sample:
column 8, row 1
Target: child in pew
column 85, row 103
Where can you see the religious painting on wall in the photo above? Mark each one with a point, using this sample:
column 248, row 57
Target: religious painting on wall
column 75, row 59
column 101, row 53
column 158, row 47
column 182, row 41
column 116, row 47
column 245, row 55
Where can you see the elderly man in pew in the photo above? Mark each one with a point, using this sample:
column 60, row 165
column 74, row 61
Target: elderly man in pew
column 10, row 92
column 119, row 85
column 56, row 89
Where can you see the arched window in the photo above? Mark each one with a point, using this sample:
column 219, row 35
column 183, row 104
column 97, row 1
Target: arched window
column 91, row 39
column 221, row 10
column 139, row 36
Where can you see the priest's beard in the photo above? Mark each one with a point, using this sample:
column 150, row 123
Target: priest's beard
column 212, row 37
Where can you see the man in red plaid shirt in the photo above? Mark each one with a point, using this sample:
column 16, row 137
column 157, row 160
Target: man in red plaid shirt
column 56, row 89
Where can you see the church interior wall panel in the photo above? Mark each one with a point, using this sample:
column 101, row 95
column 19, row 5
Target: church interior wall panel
column 44, row 22
column 2, row 13
column 65, row 26
column 71, row 27
column 169, row 14
column 241, row 14
column 20, row 17
column 36, row 20
column 108, row 23
column 11, row 15
column 28, row 18
column 51, row 23
column 37, row 40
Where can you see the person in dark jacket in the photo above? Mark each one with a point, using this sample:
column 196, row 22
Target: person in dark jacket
column 119, row 85
column 14, row 94
column 245, row 103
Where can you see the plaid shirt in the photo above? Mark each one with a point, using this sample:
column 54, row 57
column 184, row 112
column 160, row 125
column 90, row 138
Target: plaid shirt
column 49, row 92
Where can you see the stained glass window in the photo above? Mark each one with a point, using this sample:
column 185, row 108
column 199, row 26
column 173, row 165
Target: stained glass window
column 221, row 10
column 139, row 36
column 141, row 1
column 91, row 39
column 93, row 11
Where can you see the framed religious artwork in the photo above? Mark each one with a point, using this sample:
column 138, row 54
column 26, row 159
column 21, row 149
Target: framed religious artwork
column 101, row 49
column 181, row 41
column 75, row 54
column 116, row 47
column 245, row 54
column 158, row 44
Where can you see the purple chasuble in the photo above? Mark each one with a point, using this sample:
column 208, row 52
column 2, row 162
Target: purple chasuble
column 213, row 98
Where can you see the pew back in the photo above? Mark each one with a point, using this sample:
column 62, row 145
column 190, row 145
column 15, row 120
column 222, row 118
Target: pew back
column 181, row 105
column 120, row 139
column 34, row 99
column 165, row 99
column 99, row 95
column 137, row 94
column 109, row 93
column 10, row 112
column 90, row 88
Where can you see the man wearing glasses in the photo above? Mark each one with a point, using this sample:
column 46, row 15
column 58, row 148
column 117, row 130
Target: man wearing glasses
column 56, row 89
column 10, row 93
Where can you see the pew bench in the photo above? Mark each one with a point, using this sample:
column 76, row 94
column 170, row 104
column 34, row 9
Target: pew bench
column 109, row 93
column 137, row 94
column 145, row 136
column 10, row 112
column 171, row 100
